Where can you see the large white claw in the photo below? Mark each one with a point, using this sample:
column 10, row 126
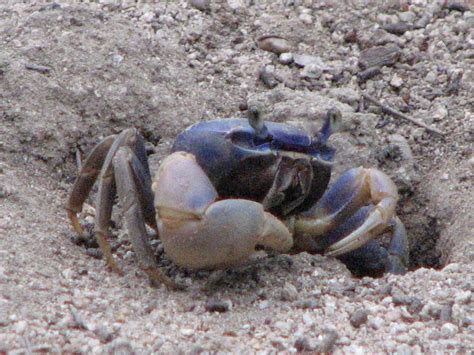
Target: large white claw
column 199, row 232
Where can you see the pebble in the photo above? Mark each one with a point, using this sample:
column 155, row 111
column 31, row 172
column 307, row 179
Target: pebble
column 289, row 292
column 202, row 5
column 376, row 323
column 396, row 81
column 448, row 330
column 329, row 340
column 187, row 332
column 463, row 297
column 284, row 326
column 267, row 76
column 120, row 346
column 285, row 58
column 379, row 56
column 20, row 327
column 104, row 334
column 274, row 44
column 359, row 317
column 407, row 16
column 311, row 71
column 303, row 344
column 307, row 19
column 438, row 112
column 214, row 305
column 307, row 304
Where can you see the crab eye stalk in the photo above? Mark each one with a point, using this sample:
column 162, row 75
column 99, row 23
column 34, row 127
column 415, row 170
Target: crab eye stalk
column 257, row 123
column 332, row 124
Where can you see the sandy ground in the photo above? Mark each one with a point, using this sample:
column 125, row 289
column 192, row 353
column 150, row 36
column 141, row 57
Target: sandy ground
column 73, row 73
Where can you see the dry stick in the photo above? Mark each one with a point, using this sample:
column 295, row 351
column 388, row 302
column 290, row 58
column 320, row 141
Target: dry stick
column 398, row 114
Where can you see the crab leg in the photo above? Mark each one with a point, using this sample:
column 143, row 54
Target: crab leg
column 199, row 232
column 133, row 194
column 85, row 180
column 356, row 188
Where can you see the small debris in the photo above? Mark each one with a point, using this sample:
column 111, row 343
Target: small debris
column 104, row 334
column 303, row 344
column 307, row 304
column 267, row 76
column 39, row 68
column 395, row 113
column 274, row 44
column 289, row 292
column 202, row 5
column 214, row 305
column 456, row 6
column 396, row 81
column 397, row 28
column 285, row 58
column 326, row 345
column 120, row 346
column 359, row 317
column 367, row 74
column 379, row 56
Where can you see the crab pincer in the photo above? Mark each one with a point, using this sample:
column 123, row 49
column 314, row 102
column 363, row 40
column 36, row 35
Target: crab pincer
column 199, row 231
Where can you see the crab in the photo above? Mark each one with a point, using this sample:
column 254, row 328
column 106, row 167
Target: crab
column 232, row 186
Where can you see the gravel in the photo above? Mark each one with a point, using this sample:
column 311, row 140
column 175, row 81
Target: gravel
column 73, row 73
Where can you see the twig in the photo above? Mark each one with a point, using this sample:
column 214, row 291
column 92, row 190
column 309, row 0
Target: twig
column 395, row 113
column 39, row 68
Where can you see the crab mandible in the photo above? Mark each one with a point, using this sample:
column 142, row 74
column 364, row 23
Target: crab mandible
column 232, row 185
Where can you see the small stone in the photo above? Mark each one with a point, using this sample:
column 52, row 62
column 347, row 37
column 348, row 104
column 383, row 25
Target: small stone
column 379, row 56
column 376, row 323
column 307, row 304
column 446, row 314
column 404, row 349
column 431, row 77
column 407, row 16
column 278, row 343
column 187, row 332
column 463, row 297
column 285, row 58
column 307, row 19
column 396, row 81
column 267, row 76
column 214, row 305
column 284, row 326
column 438, row 112
column 289, row 292
column 303, row 344
column 104, row 334
column 311, row 71
column 202, row 5
column 148, row 16
column 448, row 330
column 397, row 28
column 326, row 344
column 274, row 44
column 367, row 74
column 120, row 346
column 359, row 317
column 20, row 327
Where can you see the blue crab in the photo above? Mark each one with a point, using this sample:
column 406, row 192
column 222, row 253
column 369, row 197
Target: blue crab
column 233, row 185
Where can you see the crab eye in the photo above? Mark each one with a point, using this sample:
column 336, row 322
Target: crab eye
column 332, row 124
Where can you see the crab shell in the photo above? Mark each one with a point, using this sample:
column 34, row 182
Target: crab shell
column 286, row 168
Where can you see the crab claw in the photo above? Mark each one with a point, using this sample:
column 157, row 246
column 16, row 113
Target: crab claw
column 355, row 189
column 199, row 232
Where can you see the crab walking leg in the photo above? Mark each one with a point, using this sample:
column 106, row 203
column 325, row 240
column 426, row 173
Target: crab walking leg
column 354, row 189
column 199, row 232
column 85, row 180
column 130, row 194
